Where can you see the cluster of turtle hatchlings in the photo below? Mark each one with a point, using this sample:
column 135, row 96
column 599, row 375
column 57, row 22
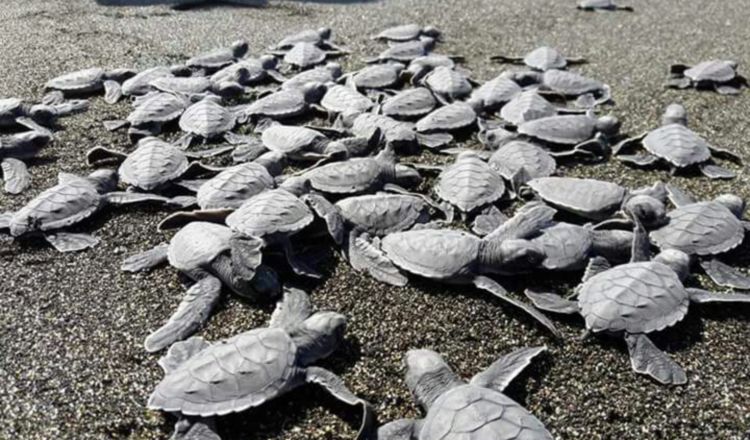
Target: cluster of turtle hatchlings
column 295, row 176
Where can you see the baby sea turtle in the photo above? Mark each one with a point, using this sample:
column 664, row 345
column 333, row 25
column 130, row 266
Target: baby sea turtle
column 602, row 5
column 452, row 117
column 320, row 38
column 71, row 201
column 283, row 104
column 409, row 103
column 197, row 87
column 542, row 58
column 15, row 113
column 304, row 55
column 254, row 367
column 13, row 149
column 448, row 84
column 469, row 183
column 570, row 247
column 477, row 410
column 206, row 119
column 376, row 77
column 517, row 155
column 216, row 59
column 590, row 92
column 398, row 135
column 422, row 65
column 527, row 106
column 140, row 83
column 718, row 75
column 584, row 134
column 302, row 143
column 341, row 99
column 250, row 71
column 677, row 145
column 600, row 200
column 328, row 73
column 458, row 257
column 151, row 113
column 405, row 52
column 210, row 255
column 88, row 81
column 496, row 92
column 707, row 230
column 635, row 299
column 407, row 32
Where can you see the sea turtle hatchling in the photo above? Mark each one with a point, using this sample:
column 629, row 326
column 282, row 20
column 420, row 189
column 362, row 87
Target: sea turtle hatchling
column 405, row 52
column 305, row 55
column 718, row 75
column 376, row 77
column 706, row 229
column 282, row 104
column 588, row 92
column 150, row 113
column 15, row 113
column 458, row 257
column 254, row 367
column 398, row 135
column 342, row 99
column 197, row 87
column 469, row 183
column 305, row 144
column 542, row 58
column 496, row 92
column 677, row 145
column 250, row 71
column 455, row 116
column 422, row 65
column 526, row 106
column 318, row 37
column 214, row 60
column 457, row 410
column 602, row 5
column 14, row 148
column 409, row 103
column 330, row 72
column 577, row 134
column 206, row 119
column 211, row 255
column 71, row 201
column 407, row 32
column 636, row 299
column 88, row 81
column 516, row 155
column 140, row 83
column 569, row 247
column 448, row 84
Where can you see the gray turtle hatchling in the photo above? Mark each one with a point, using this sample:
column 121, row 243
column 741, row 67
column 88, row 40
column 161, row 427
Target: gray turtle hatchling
column 328, row 73
column 151, row 112
column 206, row 119
column 542, row 58
column 376, row 77
column 140, row 83
column 14, row 148
column 497, row 92
column 84, row 82
column 569, row 247
column 405, row 52
column 600, row 200
column 707, row 230
column 15, row 113
column 602, row 5
column 407, row 32
column 254, row 367
column 409, row 103
column 578, row 134
column 456, row 410
column 197, row 87
column 398, row 135
column 210, row 255
column 448, row 84
column 71, row 201
column 320, row 38
column 422, row 65
column 283, row 104
column 458, row 257
column 588, row 91
column 455, row 116
column 677, row 145
column 250, row 71
column 302, row 143
column 345, row 99
column 718, row 75
column 527, row 106
column 516, row 155
column 304, row 55
column 635, row 299
column 216, row 59
column 469, row 183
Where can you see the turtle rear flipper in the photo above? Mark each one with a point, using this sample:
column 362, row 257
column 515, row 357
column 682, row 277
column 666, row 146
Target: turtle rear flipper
column 297, row 263
column 678, row 196
column 595, row 266
column 336, row 387
column 434, row 140
column 99, row 153
column 502, row 372
column 180, row 352
column 551, row 302
column 70, row 242
column 679, row 83
column 195, row 428
column 5, row 218
column 16, row 175
column 246, row 257
column 725, row 275
column 146, row 260
column 53, row 97
column 713, row 171
column 127, row 198
column 727, row 89
column 489, row 285
column 112, row 91
column 639, row 160
column 294, row 308
column 192, row 312
column 366, row 257
column 701, row 296
column 115, row 124
column 646, row 358
column 402, row 429
column 325, row 210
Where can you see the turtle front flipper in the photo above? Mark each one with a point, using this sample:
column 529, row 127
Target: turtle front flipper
column 181, row 352
column 5, row 218
column 491, row 286
column 336, row 387
column 246, row 257
column 527, row 221
column 489, row 219
column 551, row 302
column 298, row 265
column 195, row 428
column 70, row 242
column 725, row 275
column 192, row 312
column 16, row 175
column 502, row 372
column 112, row 91
column 506, row 59
column 678, row 196
column 701, row 296
column 146, row 260
column 325, row 210
column 294, row 308
column 179, row 219
column 647, row 359
column 402, row 429
column 99, row 153
column 713, row 171
column 364, row 256
column 627, row 144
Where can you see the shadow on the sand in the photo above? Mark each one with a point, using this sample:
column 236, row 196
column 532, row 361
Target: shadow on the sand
column 190, row 4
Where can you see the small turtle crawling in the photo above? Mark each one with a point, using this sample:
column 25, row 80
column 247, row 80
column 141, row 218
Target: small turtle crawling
column 254, row 367
column 469, row 183
column 87, row 81
column 405, row 52
column 718, row 75
column 409, row 103
column 319, row 37
column 71, row 201
column 677, row 145
column 216, row 59
column 589, row 92
column 577, row 134
column 570, row 247
column 635, row 299
column 477, row 410
column 707, row 230
column 19, row 146
column 448, row 84
column 602, row 5
column 15, row 112
column 283, row 104
column 150, row 113
column 304, row 55
column 542, row 58
column 407, row 32
column 458, row 257
column 206, row 119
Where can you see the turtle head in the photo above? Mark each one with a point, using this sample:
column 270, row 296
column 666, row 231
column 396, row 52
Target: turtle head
column 650, row 211
column 335, row 69
column 734, row 203
column 674, row 114
column 42, row 114
column 273, row 161
column 104, row 180
column 428, row 42
column 239, row 48
column 318, row 336
column 36, row 140
column 407, row 177
column 476, row 104
column 314, row 91
column 297, row 185
column 346, row 119
column 324, row 33
column 428, row 376
column 608, row 125
column 268, row 62
column 526, row 77
column 678, row 261
column 431, row 31
column 510, row 256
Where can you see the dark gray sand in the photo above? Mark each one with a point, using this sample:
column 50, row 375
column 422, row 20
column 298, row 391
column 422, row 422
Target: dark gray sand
column 71, row 326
